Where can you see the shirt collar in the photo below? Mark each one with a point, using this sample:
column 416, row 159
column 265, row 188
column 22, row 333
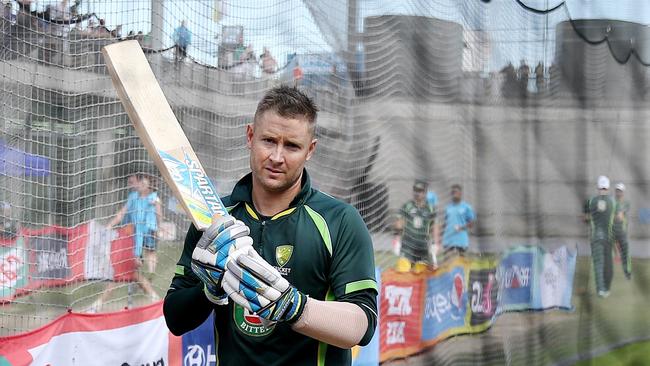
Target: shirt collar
column 243, row 191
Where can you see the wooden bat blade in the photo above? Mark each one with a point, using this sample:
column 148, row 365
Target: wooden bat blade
column 160, row 132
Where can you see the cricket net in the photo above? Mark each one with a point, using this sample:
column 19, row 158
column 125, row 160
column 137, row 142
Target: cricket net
column 521, row 102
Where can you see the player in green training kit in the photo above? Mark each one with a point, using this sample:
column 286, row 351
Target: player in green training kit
column 620, row 229
column 600, row 212
column 291, row 276
column 418, row 232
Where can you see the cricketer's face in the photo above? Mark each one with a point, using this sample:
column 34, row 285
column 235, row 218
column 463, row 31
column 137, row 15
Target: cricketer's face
column 456, row 195
column 419, row 195
column 619, row 194
column 279, row 149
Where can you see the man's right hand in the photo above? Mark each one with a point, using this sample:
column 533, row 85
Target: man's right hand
column 225, row 235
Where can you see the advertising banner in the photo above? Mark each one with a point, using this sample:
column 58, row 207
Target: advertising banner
column 198, row 347
column 445, row 302
column 401, row 312
column 555, row 279
column 515, row 275
column 13, row 270
column 482, row 289
column 130, row 337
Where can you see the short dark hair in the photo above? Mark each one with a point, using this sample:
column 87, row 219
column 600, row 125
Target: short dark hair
column 288, row 102
column 456, row 187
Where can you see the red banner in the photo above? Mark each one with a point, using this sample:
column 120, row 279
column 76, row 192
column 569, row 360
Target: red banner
column 132, row 337
column 401, row 313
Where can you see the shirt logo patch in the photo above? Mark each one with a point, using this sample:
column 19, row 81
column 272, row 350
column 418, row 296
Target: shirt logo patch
column 283, row 254
column 249, row 323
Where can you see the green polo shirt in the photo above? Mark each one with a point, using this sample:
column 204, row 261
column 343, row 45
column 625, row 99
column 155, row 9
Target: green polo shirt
column 319, row 244
column 602, row 211
column 620, row 226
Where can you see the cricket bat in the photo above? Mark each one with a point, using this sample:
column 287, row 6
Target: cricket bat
column 160, row 132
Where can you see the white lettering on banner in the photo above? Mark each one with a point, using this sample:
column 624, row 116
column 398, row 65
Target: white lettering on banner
column 482, row 298
column 395, row 332
column 437, row 305
column 441, row 303
column 399, row 300
column 519, row 275
column 160, row 362
column 48, row 261
column 196, row 356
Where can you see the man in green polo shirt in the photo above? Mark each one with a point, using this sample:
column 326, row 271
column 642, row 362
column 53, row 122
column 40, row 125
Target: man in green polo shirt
column 291, row 277
column 620, row 229
column 600, row 211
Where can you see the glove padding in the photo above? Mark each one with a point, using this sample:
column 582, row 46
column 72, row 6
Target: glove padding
column 209, row 258
column 253, row 283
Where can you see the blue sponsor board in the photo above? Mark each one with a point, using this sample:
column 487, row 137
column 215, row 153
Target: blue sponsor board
column 198, row 345
column 515, row 276
column 445, row 305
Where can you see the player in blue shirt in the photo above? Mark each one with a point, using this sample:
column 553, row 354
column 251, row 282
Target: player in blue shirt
column 459, row 217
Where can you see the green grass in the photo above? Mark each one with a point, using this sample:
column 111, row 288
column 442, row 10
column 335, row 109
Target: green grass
column 46, row 304
column 629, row 355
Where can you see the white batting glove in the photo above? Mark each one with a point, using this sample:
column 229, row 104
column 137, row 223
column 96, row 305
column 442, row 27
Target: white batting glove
column 253, row 283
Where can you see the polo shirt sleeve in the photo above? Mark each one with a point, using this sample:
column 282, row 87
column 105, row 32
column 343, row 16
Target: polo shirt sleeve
column 469, row 216
column 353, row 265
column 185, row 306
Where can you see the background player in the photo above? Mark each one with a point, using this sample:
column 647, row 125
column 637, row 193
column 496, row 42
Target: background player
column 290, row 249
column 417, row 231
column 459, row 218
column 600, row 211
column 620, row 229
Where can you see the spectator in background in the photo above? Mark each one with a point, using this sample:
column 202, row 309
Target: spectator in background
column 523, row 76
column 9, row 226
column 459, row 218
column 182, row 39
column 418, row 232
column 297, row 74
column 269, row 65
column 117, row 32
column 102, row 30
column 620, row 229
column 60, row 12
column 540, row 82
column 91, row 29
column 509, row 86
column 600, row 211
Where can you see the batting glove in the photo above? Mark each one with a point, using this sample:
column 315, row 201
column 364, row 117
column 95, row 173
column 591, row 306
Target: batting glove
column 209, row 258
column 253, row 283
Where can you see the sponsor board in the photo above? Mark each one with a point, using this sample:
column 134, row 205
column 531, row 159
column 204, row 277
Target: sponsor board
column 445, row 303
column 13, row 270
column 555, row 279
column 132, row 337
column 482, row 289
column 199, row 348
column 515, row 277
column 49, row 256
column 401, row 309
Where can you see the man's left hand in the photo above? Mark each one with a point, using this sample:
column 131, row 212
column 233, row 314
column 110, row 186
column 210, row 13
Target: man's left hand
column 253, row 283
